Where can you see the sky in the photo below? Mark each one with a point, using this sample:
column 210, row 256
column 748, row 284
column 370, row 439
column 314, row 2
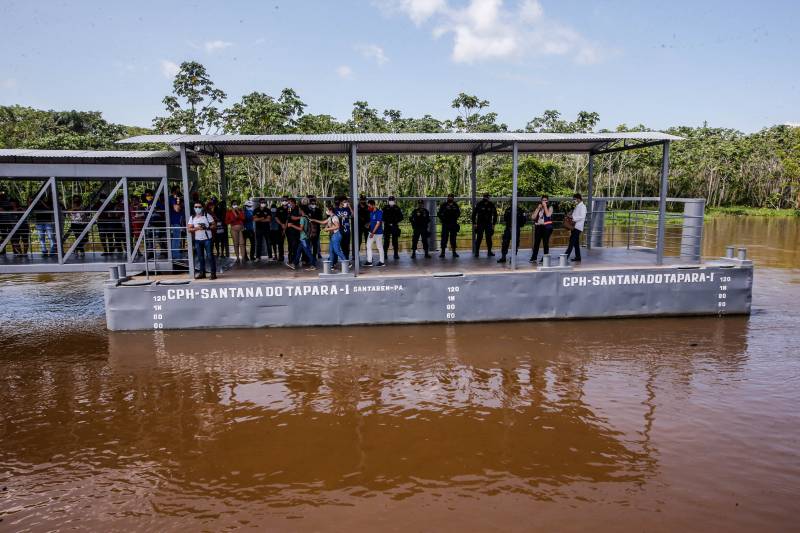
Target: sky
column 729, row 63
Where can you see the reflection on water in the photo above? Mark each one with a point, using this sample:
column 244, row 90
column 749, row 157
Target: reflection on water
column 679, row 423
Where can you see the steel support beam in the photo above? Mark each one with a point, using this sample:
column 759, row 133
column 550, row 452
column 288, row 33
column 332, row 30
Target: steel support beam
column 514, row 164
column 57, row 221
column 590, row 203
column 662, row 204
column 93, row 220
column 188, row 205
column 353, row 165
column 473, row 186
column 628, row 147
column 26, row 214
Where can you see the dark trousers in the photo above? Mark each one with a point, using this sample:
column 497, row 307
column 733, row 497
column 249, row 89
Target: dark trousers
column 292, row 241
column 75, row 230
column 391, row 233
column 262, row 243
column 363, row 234
column 541, row 236
column 250, row 237
column 449, row 232
column 346, row 243
column 221, row 242
column 203, row 251
column 314, row 242
column 507, row 241
column 276, row 244
column 107, row 238
column 483, row 230
column 420, row 233
column 574, row 242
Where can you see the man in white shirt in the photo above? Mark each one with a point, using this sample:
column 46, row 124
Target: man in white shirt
column 201, row 226
column 578, row 217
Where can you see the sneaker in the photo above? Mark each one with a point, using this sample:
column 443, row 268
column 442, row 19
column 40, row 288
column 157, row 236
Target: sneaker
column 291, row 266
column 213, row 276
column 397, row 256
column 441, row 255
column 379, row 264
column 414, row 255
column 532, row 259
column 367, row 263
column 490, row 254
column 200, row 276
column 501, row 260
column 309, row 269
column 576, row 260
column 455, row 254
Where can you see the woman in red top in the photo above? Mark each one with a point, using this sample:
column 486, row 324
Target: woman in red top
column 234, row 219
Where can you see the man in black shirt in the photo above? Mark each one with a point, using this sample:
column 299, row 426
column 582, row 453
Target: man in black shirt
column 292, row 234
column 507, row 232
column 363, row 222
column 262, row 217
column 314, row 213
column 392, row 216
column 420, row 220
column 484, row 217
column 448, row 214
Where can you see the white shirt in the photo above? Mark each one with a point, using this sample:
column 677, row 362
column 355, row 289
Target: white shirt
column 579, row 215
column 196, row 220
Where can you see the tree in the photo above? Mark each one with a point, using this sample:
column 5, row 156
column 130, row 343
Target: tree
column 192, row 108
column 470, row 119
column 260, row 113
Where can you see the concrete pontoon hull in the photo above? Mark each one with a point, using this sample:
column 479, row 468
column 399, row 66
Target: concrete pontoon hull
column 470, row 297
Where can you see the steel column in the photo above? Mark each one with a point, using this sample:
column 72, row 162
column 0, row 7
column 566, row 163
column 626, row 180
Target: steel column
column 223, row 181
column 515, row 161
column 187, row 208
column 590, row 204
column 662, row 205
column 57, row 220
column 167, row 214
column 354, row 195
column 473, row 183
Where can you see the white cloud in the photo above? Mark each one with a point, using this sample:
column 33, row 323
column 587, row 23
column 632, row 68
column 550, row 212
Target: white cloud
column 790, row 124
column 169, row 69
column 491, row 30
column 8, row 83
column 373, row 51
column 344, row 72
column 215, row 46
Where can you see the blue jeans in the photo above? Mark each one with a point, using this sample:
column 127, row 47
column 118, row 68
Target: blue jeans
column 175, row 242
column 47, row 231
column 305, row 247
column 203, row 250
column 336, row 248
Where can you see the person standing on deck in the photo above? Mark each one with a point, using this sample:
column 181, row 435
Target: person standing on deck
column 44, row 222
column 201, row 226
column 542, row 218
column 484, row 217
column 420, row 221
column 177, row 221
column 292, row 233
column 507, row 232
column 363, row 222
column 277, row 229
column 578, row 216
column 375, row 234
column 448, row 214
column 262, row 217
column 333, row 226
column 302, row 227
column 314, row 213
column 234, row 218
column 392, row 216
column 345, row 214
column 249, row 232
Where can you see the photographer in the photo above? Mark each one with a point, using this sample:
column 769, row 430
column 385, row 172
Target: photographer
column 202, row 225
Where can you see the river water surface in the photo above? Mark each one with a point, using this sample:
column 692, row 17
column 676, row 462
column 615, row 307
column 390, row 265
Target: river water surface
column 604, row 425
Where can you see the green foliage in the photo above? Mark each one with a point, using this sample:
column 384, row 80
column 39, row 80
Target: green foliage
column 192, row 106
column 535, row 178
column 25, row 127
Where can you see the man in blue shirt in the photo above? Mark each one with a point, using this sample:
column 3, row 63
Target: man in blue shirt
column 375, row 233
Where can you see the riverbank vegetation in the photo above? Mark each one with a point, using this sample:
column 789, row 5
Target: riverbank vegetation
column 728, row 168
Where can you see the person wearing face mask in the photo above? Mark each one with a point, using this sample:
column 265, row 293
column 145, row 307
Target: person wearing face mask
column 420, row 220
column 506, row 244
column 332, row 224
column 301, row 226
column 484, row 218
column 392, row 216
column 278, row 213
column 542, row 218
column 448, row 214
column 342, row 210
column 234, row 218
column 375, row 233
column 314, row 213
column 262, row 218
column 201, row 226
column 363, row 222
column 250, row 230
column 292, row 233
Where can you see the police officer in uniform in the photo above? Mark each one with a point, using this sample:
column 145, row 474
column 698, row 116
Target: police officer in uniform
column 484, row 217
column 507, row 233
column 363, row 222
column 448, row 214
column 392, row 216
column 420, row 220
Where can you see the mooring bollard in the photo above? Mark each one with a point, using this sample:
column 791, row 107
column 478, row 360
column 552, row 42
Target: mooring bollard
column 742, row 254
column 345, row 267
column 546, row 261
column 122, row 272
column 562, row 260
column 729, row 252
column 326, row 267
column 113, row 274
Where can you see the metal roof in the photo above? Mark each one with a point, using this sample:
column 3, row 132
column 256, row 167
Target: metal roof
column 422, row 143
column 106, row 157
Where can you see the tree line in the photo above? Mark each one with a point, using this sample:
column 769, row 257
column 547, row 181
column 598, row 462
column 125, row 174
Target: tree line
column 723, row 165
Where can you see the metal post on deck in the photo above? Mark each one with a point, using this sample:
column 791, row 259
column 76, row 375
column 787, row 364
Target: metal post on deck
column 223, row 181
column 127, row 217
column 590, row 203
column 473, row 183
column 354, row 195
column 515, row 159
column 167, row 215
column 57, row 220
column 187, row 206
column 662, row 205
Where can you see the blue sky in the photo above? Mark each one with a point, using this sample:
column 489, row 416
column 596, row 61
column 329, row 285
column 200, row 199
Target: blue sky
column 733, row 64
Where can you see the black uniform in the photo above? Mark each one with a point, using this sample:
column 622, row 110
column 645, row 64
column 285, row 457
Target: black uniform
column 262, row 232
column 484, row 217
column 448, row 216
column 392, row 215
column 277, row 234
column 420, row 221
column 292, row 235
column 363, row 225
column 507, row 232
column 315, row 212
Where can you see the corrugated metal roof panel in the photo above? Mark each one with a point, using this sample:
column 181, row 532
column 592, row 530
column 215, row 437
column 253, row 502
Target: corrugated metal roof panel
column 141, row 157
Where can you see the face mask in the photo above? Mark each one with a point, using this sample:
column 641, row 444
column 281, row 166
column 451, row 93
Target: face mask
column 198, row 210
column 284, row 203
column 313, row 204
column 235, row 206
column 391, row 202
column 263, row 205
column 274, row 210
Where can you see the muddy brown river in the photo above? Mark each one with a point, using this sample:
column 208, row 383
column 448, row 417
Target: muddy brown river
column 606, row 425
